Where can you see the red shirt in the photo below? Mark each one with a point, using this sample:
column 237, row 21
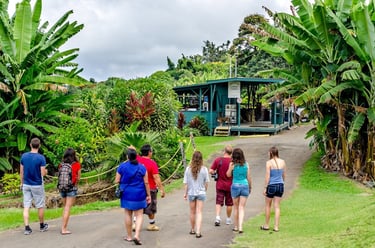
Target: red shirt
column 76, row 167
column 224, row 182
column 152, row 169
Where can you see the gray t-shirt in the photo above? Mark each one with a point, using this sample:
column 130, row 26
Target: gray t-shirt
column 196, row 187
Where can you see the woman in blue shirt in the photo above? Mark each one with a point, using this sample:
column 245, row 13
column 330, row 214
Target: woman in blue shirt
column 241, row 186
column 274, row 187
column 133, row 179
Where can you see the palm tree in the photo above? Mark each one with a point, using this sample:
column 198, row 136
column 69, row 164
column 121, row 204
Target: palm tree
column 34, row 76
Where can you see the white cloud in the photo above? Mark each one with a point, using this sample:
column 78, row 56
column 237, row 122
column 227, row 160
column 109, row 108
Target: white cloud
column 132, row 38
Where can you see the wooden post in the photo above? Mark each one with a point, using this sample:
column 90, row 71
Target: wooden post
column 192, row 140
column 183, row 154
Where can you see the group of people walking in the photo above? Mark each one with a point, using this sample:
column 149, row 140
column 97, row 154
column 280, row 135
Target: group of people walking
column 139, row 180
column 32, row 170
column 234, row 184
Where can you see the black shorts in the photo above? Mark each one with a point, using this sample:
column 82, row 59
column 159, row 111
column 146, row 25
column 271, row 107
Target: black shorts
column 275, row 190
column 151, row 208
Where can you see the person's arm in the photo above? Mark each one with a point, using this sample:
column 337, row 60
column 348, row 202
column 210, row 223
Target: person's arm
column 284, row 172
column 267, row 177
column 213, row 168
column 21, row 175
column 159, row 184
column 147, row 186
column 78, row 175
column 230, row 169
column 185, row 190
column 117, row 178
column 249, row 176
column 43, row 170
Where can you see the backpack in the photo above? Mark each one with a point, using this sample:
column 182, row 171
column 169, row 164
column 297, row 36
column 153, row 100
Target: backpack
column 65, row 183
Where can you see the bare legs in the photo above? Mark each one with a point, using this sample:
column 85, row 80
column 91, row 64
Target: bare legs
column 229, row 211
column 277, row 212
column 138, row 214
column 236, row 202
column 128, row 224
column 218, row 210
column 268, row 212
column 68, row 203
column 196, row 215
column 276, row 202
column 26, row 213
column 241, row 211
column 239, row 204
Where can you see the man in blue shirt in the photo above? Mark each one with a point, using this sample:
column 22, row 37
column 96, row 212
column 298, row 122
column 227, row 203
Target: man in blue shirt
column 32, row 170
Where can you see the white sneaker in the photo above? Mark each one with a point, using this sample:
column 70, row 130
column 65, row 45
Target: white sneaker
column 229, row 221
column 217, row 221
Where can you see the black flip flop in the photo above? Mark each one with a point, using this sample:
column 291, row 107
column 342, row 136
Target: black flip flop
column 137, row 241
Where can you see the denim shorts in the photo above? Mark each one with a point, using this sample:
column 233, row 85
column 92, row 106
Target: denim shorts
column 68, row 194
column 197, row 197
column 275, row 190
column 238, row 190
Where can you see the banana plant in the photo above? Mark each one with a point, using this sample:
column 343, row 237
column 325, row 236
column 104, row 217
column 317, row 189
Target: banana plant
column 35, row 76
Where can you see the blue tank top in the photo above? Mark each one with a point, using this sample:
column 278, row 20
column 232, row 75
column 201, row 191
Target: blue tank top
column 240, row 174
column 276, row 176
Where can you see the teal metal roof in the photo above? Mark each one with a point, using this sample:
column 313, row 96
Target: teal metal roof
column 250, row 81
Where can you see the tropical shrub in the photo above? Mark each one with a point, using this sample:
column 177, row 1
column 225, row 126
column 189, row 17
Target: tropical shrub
column 11, row 183
column 199, row 123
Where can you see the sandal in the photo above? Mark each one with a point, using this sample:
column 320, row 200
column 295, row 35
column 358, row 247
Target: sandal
column 192, row 232
column 137, row 241
column 275, row 230
column 235, row 229
column 198, row 235
column 264, row 228
column 127, row 239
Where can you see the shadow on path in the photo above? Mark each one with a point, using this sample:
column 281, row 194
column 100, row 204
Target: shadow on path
column 106, row 229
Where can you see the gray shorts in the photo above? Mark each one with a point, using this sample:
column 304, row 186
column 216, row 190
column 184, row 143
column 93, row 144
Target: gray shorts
column 35, row 193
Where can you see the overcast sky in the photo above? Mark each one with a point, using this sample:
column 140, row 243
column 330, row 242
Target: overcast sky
column 133, row 38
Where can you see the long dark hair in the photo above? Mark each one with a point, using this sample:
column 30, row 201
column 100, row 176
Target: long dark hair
column 70, row 156
column 196, row 164
column 238, row 157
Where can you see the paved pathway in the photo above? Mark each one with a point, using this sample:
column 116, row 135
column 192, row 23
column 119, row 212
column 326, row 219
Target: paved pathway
column 106, row 229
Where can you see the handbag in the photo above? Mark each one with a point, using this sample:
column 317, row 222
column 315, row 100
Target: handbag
column 118, row 192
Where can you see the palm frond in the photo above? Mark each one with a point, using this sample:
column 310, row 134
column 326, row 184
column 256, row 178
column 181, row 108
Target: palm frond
column 365, row 30
column 22, row 30
column 355, row 127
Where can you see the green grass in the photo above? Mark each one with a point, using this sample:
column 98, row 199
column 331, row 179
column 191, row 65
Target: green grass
column 325, row 211
column 207, row 145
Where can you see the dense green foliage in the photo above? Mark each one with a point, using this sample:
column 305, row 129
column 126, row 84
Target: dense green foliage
column 330, row 45
column 34, row 76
